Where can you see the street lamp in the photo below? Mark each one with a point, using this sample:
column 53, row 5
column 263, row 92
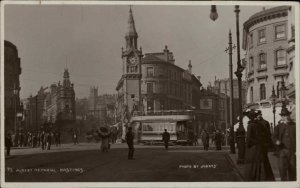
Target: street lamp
column 273, row 98
column 283, row 90
column 240, row 131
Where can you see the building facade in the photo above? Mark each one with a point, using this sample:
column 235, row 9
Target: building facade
column 12, row 72
column 102, row 108
column 265, row 41
column 166, row 86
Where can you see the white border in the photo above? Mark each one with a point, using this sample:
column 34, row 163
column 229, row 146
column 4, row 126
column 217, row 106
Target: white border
column 156, row 184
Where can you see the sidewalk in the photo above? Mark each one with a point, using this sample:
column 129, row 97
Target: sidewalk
column 273, row 161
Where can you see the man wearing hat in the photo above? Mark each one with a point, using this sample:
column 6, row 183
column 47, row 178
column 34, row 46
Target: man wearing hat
column 285, row 139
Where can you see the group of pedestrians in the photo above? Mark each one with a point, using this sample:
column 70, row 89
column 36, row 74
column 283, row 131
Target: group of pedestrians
column 259, row 142
column 41, row 139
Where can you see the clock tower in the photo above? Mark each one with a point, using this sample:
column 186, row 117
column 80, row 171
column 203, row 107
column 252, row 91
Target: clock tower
column 131, row 68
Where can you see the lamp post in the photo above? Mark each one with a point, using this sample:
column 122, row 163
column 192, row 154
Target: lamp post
column 273, row 98
column 240, row 131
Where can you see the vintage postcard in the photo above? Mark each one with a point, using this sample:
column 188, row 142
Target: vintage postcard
column 149, row 94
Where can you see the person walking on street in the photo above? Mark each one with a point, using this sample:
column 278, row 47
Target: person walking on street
column 8, row 143
column 42, row 139
column 218, row 140
column 166, row 139
column 129, row 139
column 205, row 139
column 257, row 164
column 285, row 140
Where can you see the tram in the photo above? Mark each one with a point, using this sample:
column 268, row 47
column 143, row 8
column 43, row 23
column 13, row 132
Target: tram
column 179, row 124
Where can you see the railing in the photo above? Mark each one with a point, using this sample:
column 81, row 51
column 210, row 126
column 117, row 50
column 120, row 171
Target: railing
column 163, row 112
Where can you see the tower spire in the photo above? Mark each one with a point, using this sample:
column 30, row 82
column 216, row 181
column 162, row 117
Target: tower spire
column 131, row 35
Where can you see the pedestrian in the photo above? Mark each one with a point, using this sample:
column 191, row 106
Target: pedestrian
column 129, row 139
column 285, row 140
column 104, row 134
column 8, row 144
column 166, row 139
column 205, row 139
column 42, row 139
column 257, row 165
column 218, row 140
column 75, row 138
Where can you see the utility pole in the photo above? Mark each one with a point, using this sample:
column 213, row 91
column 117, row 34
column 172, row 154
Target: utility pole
column 231, row 133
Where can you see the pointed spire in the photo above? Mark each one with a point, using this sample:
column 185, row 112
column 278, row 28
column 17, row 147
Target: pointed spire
column 131, row 25
column 190, row 66
column 131, row 35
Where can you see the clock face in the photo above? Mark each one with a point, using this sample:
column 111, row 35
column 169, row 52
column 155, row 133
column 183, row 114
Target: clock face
column 132, row 60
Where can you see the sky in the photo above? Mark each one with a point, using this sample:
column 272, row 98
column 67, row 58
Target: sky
column 87, row 39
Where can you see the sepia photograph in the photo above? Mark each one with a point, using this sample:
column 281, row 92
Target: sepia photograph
column 149, row 94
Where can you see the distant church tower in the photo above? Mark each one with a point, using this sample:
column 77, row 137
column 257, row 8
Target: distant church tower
column 66, row 98
column 131, row 66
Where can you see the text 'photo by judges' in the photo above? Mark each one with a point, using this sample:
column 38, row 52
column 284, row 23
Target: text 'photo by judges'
column 149, row 94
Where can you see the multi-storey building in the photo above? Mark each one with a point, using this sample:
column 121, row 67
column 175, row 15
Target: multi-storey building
column 101, row 107
column 166, row 86
column 51, row 104
column 12, row 72
column 221, row 88
column 265, row 41
column 153, row 83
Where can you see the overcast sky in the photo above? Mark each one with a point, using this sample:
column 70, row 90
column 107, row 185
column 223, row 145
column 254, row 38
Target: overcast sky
column 87, row 39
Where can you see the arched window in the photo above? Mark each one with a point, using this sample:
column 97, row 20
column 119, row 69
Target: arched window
column 262, row 91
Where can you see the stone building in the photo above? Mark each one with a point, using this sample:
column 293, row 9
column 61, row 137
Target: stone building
column 265, row 41
column 51, row 104
column 12, row 72
column 101, row 108
column 59, row 102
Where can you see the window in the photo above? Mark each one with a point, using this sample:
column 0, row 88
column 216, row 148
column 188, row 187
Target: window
column 280, row 57
column 251, row 64
column 262, row 36
column 150, row 72
column 150, row 104
column 280, row 31
column 262, row 91
column 262, row 61
column 133, row 69
column 250, row 40
column 149, row 87
column 251, row 94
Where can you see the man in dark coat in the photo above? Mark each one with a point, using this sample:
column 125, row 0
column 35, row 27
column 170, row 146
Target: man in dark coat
column 285, row 140
column 218, row 140
column 129, row 139
column 166, row 138
column 205, row 139
column 8, row 143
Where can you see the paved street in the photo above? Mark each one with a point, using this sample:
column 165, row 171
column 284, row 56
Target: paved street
column 85, row 163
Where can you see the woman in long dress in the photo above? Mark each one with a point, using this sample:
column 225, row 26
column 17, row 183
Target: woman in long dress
column 104, row 134
column 257, row 165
